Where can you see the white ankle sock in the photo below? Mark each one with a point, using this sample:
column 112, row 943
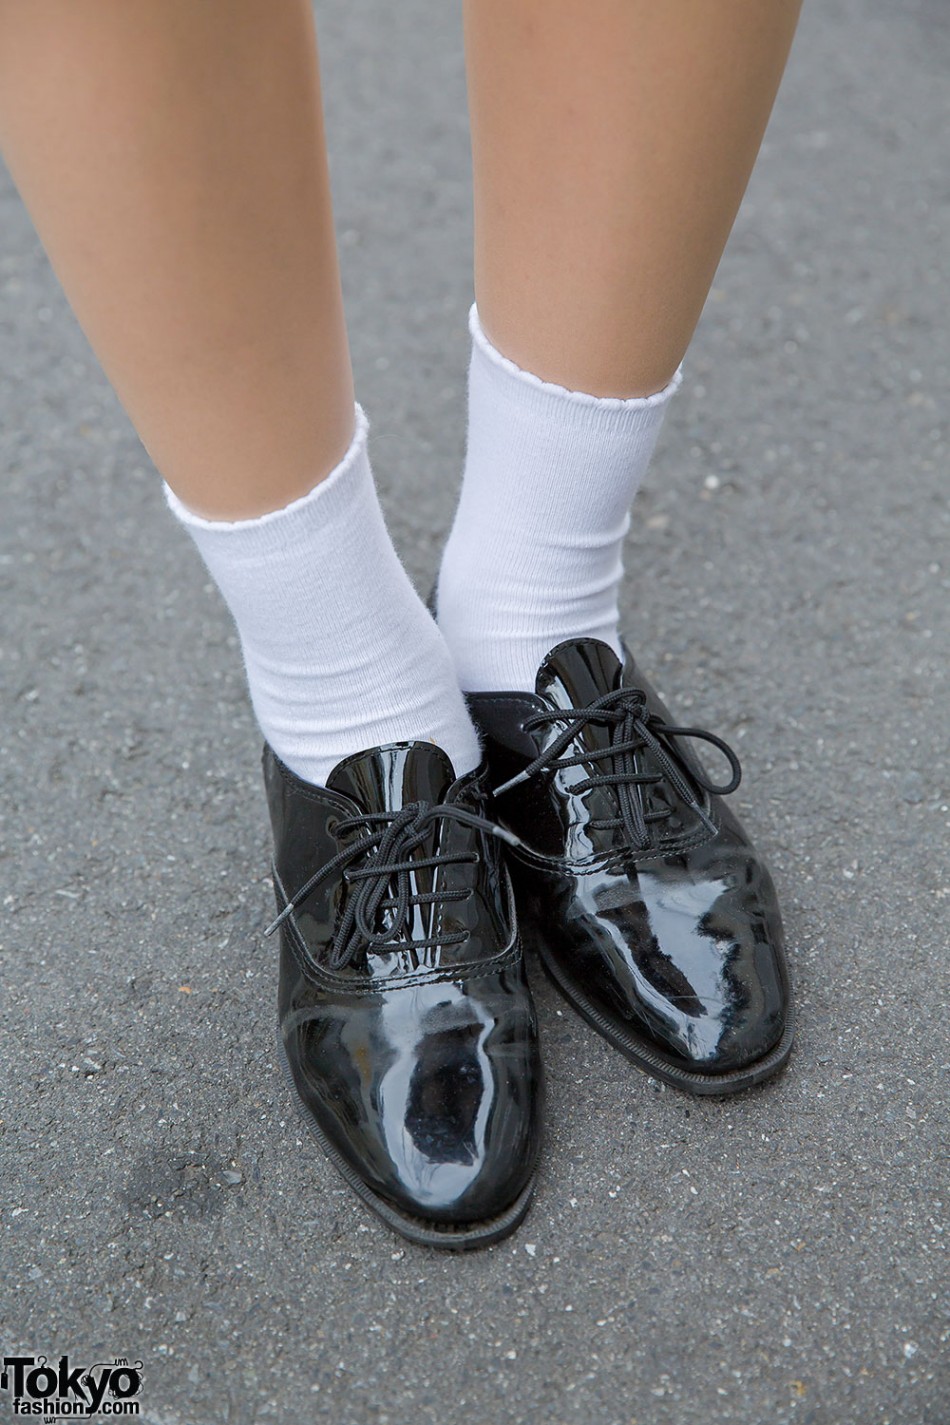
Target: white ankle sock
column 340, row 652
column 534, row 556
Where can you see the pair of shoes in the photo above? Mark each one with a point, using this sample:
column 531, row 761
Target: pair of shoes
column 406, row 1023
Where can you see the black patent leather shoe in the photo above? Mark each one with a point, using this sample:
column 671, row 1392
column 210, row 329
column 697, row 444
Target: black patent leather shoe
column 648, row 904
column 406, row 1023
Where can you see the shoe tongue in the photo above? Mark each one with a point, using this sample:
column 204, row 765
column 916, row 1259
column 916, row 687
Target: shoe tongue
column 578, row 672
column 388, row 778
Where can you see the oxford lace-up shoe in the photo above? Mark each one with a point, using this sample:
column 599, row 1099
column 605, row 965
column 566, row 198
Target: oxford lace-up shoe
column 406, row 1024
column 648, row 904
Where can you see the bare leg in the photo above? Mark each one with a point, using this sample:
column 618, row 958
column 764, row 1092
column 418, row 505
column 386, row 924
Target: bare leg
column 172, row 157
column 612, row 143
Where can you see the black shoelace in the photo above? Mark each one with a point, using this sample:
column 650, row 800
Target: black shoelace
column 632, row 728
column 391, row 837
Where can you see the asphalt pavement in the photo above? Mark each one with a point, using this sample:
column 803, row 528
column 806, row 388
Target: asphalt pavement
column 775, row 1259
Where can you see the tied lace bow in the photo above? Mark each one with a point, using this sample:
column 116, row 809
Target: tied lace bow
column 374, row 917
column 633, row 728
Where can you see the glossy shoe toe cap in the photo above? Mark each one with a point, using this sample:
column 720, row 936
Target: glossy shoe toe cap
column 685, row 974
column 442, row 1121
column 717, row 1039
column 461, row 1145
column 723, row 956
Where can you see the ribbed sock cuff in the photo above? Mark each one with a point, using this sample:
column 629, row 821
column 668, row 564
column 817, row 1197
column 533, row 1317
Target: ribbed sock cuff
column 626, row 409
column 330, row 492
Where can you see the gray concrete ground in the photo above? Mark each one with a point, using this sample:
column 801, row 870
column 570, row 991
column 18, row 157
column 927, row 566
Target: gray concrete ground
column 776, row 1258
